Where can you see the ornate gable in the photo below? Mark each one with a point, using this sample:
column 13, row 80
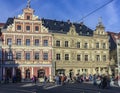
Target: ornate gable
column 72, row 31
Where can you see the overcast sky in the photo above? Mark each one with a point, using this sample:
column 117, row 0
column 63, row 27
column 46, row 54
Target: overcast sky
column 63, row 10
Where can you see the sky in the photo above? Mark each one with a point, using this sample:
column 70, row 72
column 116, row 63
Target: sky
column 63, row 10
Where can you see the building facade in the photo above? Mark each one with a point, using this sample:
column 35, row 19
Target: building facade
column 33, row 46
column 27, row 47
column 80, row 50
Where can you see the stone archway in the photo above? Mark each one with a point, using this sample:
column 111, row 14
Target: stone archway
column 18, row 74
column 9, row 73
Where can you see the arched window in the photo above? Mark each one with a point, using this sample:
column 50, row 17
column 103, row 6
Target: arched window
column 9, row 73
column 18, row 74
column 41, row 73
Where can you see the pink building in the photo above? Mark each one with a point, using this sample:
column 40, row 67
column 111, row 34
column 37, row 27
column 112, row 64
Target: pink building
column 27, row 47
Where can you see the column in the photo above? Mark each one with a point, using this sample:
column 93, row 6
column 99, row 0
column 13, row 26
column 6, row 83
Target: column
column 23, row 73
column 94, row 72
column 32, row 27
column 32, row 72
column 50, row 76
column 99, row 71
column 14, row 40
column 13, row 71
column 4, row 40
column 41, row 41
column 3, row 71
column 32, row 41
column 23, row 40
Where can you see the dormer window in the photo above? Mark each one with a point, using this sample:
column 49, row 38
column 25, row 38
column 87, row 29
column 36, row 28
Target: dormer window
column 88, row 33
column 80, row 33
column 28, row 17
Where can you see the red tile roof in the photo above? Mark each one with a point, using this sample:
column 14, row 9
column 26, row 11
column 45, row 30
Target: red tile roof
column 114, row 35
column 2, row 24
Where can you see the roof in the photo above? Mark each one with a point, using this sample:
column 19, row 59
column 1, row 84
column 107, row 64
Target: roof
column 112, row 39
column 2, row 24
column 9, row 22
column 63, row 27
column 60, row 26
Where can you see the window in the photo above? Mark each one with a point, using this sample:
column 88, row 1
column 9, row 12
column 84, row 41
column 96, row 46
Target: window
column 104, row 57
column 28, row 28
column 9, row 41
column 98, row 57
column 86, row 45
column 97, row 45
column 58, row 43
column 45, row 43
column 66, row 56
column 78, row 44
column 36, row 42
column 36, row 28
column 104, row 45
column 27, row 56
column 28, row 17
column 9, row 56
column 57, row 56
column 18, row 41
column 88, row 33
column 27, row 42
column 18, row 27
column 36, row 56
column 41, row 73
column 66, row 43
column 45, row 56
column 86, row 57
column 78, row 57
column 18, row 55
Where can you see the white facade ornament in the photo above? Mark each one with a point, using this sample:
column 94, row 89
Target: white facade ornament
column 11, row 28
column 21, row 16
column 35, row 17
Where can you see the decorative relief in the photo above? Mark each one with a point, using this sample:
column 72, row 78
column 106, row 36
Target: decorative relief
column 72, row 31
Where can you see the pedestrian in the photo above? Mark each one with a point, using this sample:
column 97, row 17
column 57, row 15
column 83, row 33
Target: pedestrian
column 94, row 79
column 45, row 81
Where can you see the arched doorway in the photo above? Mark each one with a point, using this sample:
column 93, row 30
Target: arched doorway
column 41, row 73
column 60, row 71
column 18, row 75
column 27, row 74
column 9, row 73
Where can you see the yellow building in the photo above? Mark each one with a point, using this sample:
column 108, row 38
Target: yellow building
column 78, row 49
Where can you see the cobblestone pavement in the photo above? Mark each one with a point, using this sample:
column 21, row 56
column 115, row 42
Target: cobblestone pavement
column 52, row 88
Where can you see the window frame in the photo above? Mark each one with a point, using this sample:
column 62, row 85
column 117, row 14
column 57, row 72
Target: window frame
column 66, row 56
column 27, row 42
